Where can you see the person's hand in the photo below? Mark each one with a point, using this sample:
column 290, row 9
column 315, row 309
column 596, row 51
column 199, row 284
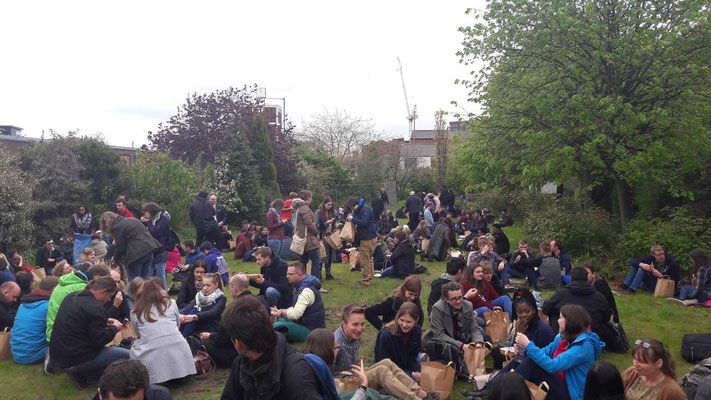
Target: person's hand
column 144, row 219
column 470, row 293
column 417, row 377
column 644, row 266
column 274, row 311
column 349, row 218
column 259, row 279
column 182, row 319
column 522, row 340
column 518, row 258
column 359, row 371
column 656, row 273
column 50, row 260
column 204, row 335
column 219, row 224
column 330, row 221
column 521, row 325
column 501, row 266
column 113, row 322
column 118, row 299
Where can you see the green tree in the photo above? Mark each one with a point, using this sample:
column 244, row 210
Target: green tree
column 601, row 94
column 101, row 168
column 264, row 155
column 244, row 170
column 323, row 175
column 16, row 205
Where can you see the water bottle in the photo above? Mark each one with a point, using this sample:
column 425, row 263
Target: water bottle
column 520, row 354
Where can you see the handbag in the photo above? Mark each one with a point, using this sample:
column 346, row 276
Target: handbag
column 620, row 336
column 204, row 364
column 497, row 316
column 298, row 243
column 665, row 287
column 322, row 249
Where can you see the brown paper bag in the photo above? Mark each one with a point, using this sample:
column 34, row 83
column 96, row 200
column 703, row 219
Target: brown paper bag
column 425, row 244
column 345, row 383
column 348, row 232
column 665, row 287
column 128, row 331
column 37, row 275
column 322, row 249
column 475, row 358
column 497, row 331
column 538, row 392
column 353, row 258
column 5, row 352
column 437, row 377
column 334, row 240
column 497, row 316
column 542, row 316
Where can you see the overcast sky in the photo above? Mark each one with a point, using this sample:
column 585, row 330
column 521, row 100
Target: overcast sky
column 121, row 68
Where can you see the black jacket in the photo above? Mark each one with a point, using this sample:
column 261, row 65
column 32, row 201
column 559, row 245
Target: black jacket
column 7, row 313
column 80, row 330
column 377, row 206
column 133, row 240
column 583, row 294
column 501, row 244
column 220, row 213
column 436, row 292
column 403, row 259
column 209, row 316
column 202, row 214
column 413, row 205
column 285, row 375
column 43, row 255
column 388, row 309
column 275, row 276
column 186, row 295
column 601, row 286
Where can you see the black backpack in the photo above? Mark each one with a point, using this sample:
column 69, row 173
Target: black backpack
column 696, row 347
column 174, row 241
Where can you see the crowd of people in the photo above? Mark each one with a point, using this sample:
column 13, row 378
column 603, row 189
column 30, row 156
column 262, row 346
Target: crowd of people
column 107, row 317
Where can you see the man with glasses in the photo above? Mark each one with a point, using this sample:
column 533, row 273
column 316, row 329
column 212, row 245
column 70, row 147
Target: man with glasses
column 308, row 312
column 452, row 322
column 647, row 270
column 48, row 256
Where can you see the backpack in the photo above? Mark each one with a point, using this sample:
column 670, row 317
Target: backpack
column 697, row 374
column 174, row 241
column 696, row 347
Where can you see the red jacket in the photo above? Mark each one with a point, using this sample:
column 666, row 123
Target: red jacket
column 489, row 295
column 274, row 226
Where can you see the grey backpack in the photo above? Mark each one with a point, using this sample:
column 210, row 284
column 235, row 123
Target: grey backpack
column 697, row 380
column 549, row 273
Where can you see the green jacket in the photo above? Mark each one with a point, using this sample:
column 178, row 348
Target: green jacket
column 68, row 284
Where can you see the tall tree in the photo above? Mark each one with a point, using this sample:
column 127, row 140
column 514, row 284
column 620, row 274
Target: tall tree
column 442, row 147
column 244, row 170
column 16, row 205
column 264, row 156
column 602, row 93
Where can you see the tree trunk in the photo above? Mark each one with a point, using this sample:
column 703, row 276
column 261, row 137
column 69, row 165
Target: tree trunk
column 623, row 199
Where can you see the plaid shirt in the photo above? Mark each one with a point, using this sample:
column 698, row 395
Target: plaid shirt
column 348, row 353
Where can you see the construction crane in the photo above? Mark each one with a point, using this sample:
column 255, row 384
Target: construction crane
column 411, row 116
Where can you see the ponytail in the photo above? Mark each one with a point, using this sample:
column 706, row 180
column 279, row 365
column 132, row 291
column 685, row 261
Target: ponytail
column 102, row 284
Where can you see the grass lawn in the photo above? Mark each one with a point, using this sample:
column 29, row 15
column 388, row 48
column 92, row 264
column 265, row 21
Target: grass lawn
column 643, row 316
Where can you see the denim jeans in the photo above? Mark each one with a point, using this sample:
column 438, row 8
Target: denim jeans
column 158, row 267
column 504, row 302
column 503, row 274
column 315, row 257
column 140, row 267
column 388, row 272
column 275, row 246
column 272, row 296
column 93, row 369
column 685, row 292
column 637, row 276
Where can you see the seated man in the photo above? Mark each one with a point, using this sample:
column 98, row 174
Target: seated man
column 648, row 269
column 549, row 272
column 266, row 367
column 9, row 294
column 192, row 254
column 402, row 257
column 272, row 283
column 452, row 322
column 486, row 252
column 601, row 285
column 582, row 293
column 29, row 334
column 502, row 246
column 383, row 374
column 453, row 273
column 81, row 332
column 48, row 255
column 400, row 213
column 563, row 258
column 216, row 262
column 517, row 267
column 128, row 379
column 307, row 312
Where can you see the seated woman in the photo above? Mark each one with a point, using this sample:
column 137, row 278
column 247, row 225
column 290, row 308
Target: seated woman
column 193, row 284
column 261, row 239
column 603, row 382
column 86, row 260
column 245, row 245
column 62, row 268
column 565, row 362
column 421, row 232
column 652, row 374
column 402, row 257
column 382, row 313
column 701, row 293
column 480, row 292
column 400, row 340
column 160, row 346
column 203, row 313
column 439, row 245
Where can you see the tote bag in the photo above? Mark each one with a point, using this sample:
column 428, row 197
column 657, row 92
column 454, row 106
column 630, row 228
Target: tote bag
column 665, row 287
column 298, row 243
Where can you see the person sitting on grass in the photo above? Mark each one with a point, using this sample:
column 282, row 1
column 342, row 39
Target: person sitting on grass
column 272, row 282
column 28, row 340
column 565, row 362
column 308, row 312
column 402, row 257
column 452, row 324
column 701, row 292
column 383, row 374
column 245, row 246
column 203, row 313
column 155, row 319
column 382, row 313
column 480, row 292
column 563, row 258
column 420, row 233
column 9, row 295
column 601, row 285
column 216, row 262
column 647, row 270
column 652, row 375
column 180, row 274
column 548, row 265
column 267, row 367
column 81, row 332
column 193, row 283
column 128, row 380
column 400, row 340
column 486, row 252
column 518, row 268
column 603, row 382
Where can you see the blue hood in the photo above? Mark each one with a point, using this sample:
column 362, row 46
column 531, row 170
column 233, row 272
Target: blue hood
column 593, row 338
column 311, row 282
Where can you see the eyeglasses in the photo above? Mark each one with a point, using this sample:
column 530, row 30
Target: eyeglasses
column 458, row 298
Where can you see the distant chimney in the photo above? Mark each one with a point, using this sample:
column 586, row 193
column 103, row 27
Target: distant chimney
column 10, row 130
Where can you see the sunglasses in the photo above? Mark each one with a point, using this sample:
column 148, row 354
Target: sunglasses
column 644, row 344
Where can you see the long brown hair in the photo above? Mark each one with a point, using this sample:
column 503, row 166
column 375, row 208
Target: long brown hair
column 150, row 294
column 653, row 353
column 325, row 215
column 577, row 320
column 411, row 284
column 107, row 221
column 408, row 308
column 320, row 342
column 468, row 276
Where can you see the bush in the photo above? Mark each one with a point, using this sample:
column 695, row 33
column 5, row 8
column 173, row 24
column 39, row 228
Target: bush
column 16, row 206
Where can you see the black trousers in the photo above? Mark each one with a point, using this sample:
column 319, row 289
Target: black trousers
column 414, row 219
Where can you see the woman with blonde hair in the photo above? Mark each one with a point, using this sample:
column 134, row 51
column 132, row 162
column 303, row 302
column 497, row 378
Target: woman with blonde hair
column 160, row 346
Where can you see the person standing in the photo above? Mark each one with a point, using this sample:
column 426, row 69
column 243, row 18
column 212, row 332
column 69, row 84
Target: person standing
column 276, row 224
column 133, row 244
column 48, row 256
column 384, row 198
column 121, row 208
column 366, row 237
column 202, row 215
column 377, row 206
column 413, row 207
column 305, row 225
column 326, row 222
column 82, row 222
column 158, row 223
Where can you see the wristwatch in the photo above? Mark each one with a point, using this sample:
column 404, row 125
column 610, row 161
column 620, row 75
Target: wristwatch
column 365, row 388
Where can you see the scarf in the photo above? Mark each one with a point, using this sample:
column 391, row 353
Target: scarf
column 82, row 223
column 155, row 219
column 203, row 301
column 464, row 334
column 562, row 347
column 274, row 210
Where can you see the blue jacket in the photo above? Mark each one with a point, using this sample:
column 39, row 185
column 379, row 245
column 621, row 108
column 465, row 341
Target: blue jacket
column 365, row 223
column 574, row 362
column 327, row 386
column 315, row 315
column 217, row 264
column 191, row 258
column 28, row 340
column 565, row 263
column 404, row 355
column 6, row 276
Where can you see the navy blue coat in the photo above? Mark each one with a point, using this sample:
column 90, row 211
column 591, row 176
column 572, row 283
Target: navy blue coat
column 365, row 224
column 393, row 347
